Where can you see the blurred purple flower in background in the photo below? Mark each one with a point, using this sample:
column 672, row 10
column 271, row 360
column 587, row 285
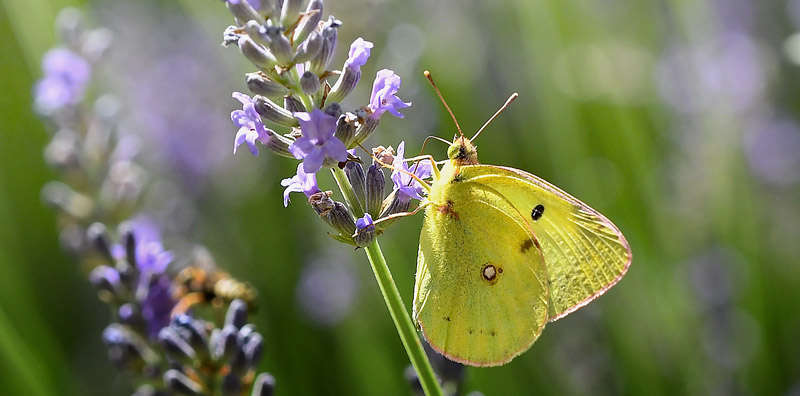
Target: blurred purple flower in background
column 404, row 184
column 251, row 128
column 327, row 289
column 318, row 141
column 383, row 97
column 301, row 182
column 773, row 152
column 66, row 75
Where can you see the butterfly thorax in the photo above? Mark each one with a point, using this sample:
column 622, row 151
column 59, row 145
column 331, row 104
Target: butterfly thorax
column 462, row 152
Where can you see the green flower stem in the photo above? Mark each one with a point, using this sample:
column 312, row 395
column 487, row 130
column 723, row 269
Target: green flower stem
column 402, row 321
column 347, row 191
column 405, row 328
column 305, row 99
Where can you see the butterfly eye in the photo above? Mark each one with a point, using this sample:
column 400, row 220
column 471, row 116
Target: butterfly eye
column 537, row 212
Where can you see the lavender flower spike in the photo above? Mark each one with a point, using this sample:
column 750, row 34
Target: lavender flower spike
column 318, row 141
column 406, row 186
column 301, row 182
column 383, row 96
column 251, row 128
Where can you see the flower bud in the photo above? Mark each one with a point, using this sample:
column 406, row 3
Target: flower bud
column 254, row 31
column 125, row 231
column 329, row 33
column 64, row 150
column 69, row 23
column 366, row 126
column 346, row 129
column 178, row 381
column 345, row 84
column 321, row 202
column 243, row 12
column 394, row 203
column 375, row 186
column 107, row 279
column 279, row 144
column 256, row 54
column 264, row 385
column 309, row 48
column 355, row 175
column 365, row 231
column 259, row 84
column 237, row 314
column 293, row 105
column 175, row 346
column 272, row 112
column 309, row 22
column 230, row 36
column 194, row 332
column 290, row 12
column 309, row 82
column 225, row 343
column 340, row 219
column 64, row 198
column 101, row 240
column 253, row 350
column 279, row 45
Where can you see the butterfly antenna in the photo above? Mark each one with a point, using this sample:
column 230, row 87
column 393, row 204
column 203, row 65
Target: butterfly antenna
column 508, row 102
column 435, row 88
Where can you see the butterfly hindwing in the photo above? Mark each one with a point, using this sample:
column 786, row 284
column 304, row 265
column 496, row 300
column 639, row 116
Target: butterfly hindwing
column 478, row 302
column 584, row 252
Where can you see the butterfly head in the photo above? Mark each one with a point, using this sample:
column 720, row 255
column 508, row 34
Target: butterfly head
column 462, row 152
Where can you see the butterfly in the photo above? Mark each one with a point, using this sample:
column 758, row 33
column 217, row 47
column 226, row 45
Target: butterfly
column 501, row 253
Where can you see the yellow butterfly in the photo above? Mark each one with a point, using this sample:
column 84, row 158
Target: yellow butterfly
column 501, row 253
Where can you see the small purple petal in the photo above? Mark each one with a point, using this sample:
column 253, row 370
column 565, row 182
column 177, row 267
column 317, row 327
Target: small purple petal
column 318, row 140
column 383, row 97
column 301, row 182
column 365, row 222
column 359, row 53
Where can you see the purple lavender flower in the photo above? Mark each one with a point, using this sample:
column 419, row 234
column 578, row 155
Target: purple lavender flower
column 251, row 128
column 318, row 141
column 406, row 186
column 158, row 303
column 66, row 75
column 383, row 96
column 359, row 53
column 301, row 182
column 253, row 3
column 365, row 223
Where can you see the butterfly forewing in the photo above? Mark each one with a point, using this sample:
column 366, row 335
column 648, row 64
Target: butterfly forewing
column 477, row 301
column 584, row 252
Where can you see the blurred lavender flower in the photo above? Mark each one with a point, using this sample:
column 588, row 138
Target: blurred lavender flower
column 66, row 75
column 383, row 97
column 772, row 152
column 301, row 182
column 251, row 128
column 327, row 289
column 405, row 185
column 318, row 141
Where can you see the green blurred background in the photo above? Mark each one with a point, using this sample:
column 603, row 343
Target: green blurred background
column 676, row 119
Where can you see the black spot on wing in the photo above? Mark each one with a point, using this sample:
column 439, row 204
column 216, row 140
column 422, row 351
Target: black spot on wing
column 537, row 212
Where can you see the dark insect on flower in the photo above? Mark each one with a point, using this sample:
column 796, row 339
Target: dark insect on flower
column 195, row 285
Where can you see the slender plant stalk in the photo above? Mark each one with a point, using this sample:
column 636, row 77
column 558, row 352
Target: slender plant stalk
column 402, row 321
